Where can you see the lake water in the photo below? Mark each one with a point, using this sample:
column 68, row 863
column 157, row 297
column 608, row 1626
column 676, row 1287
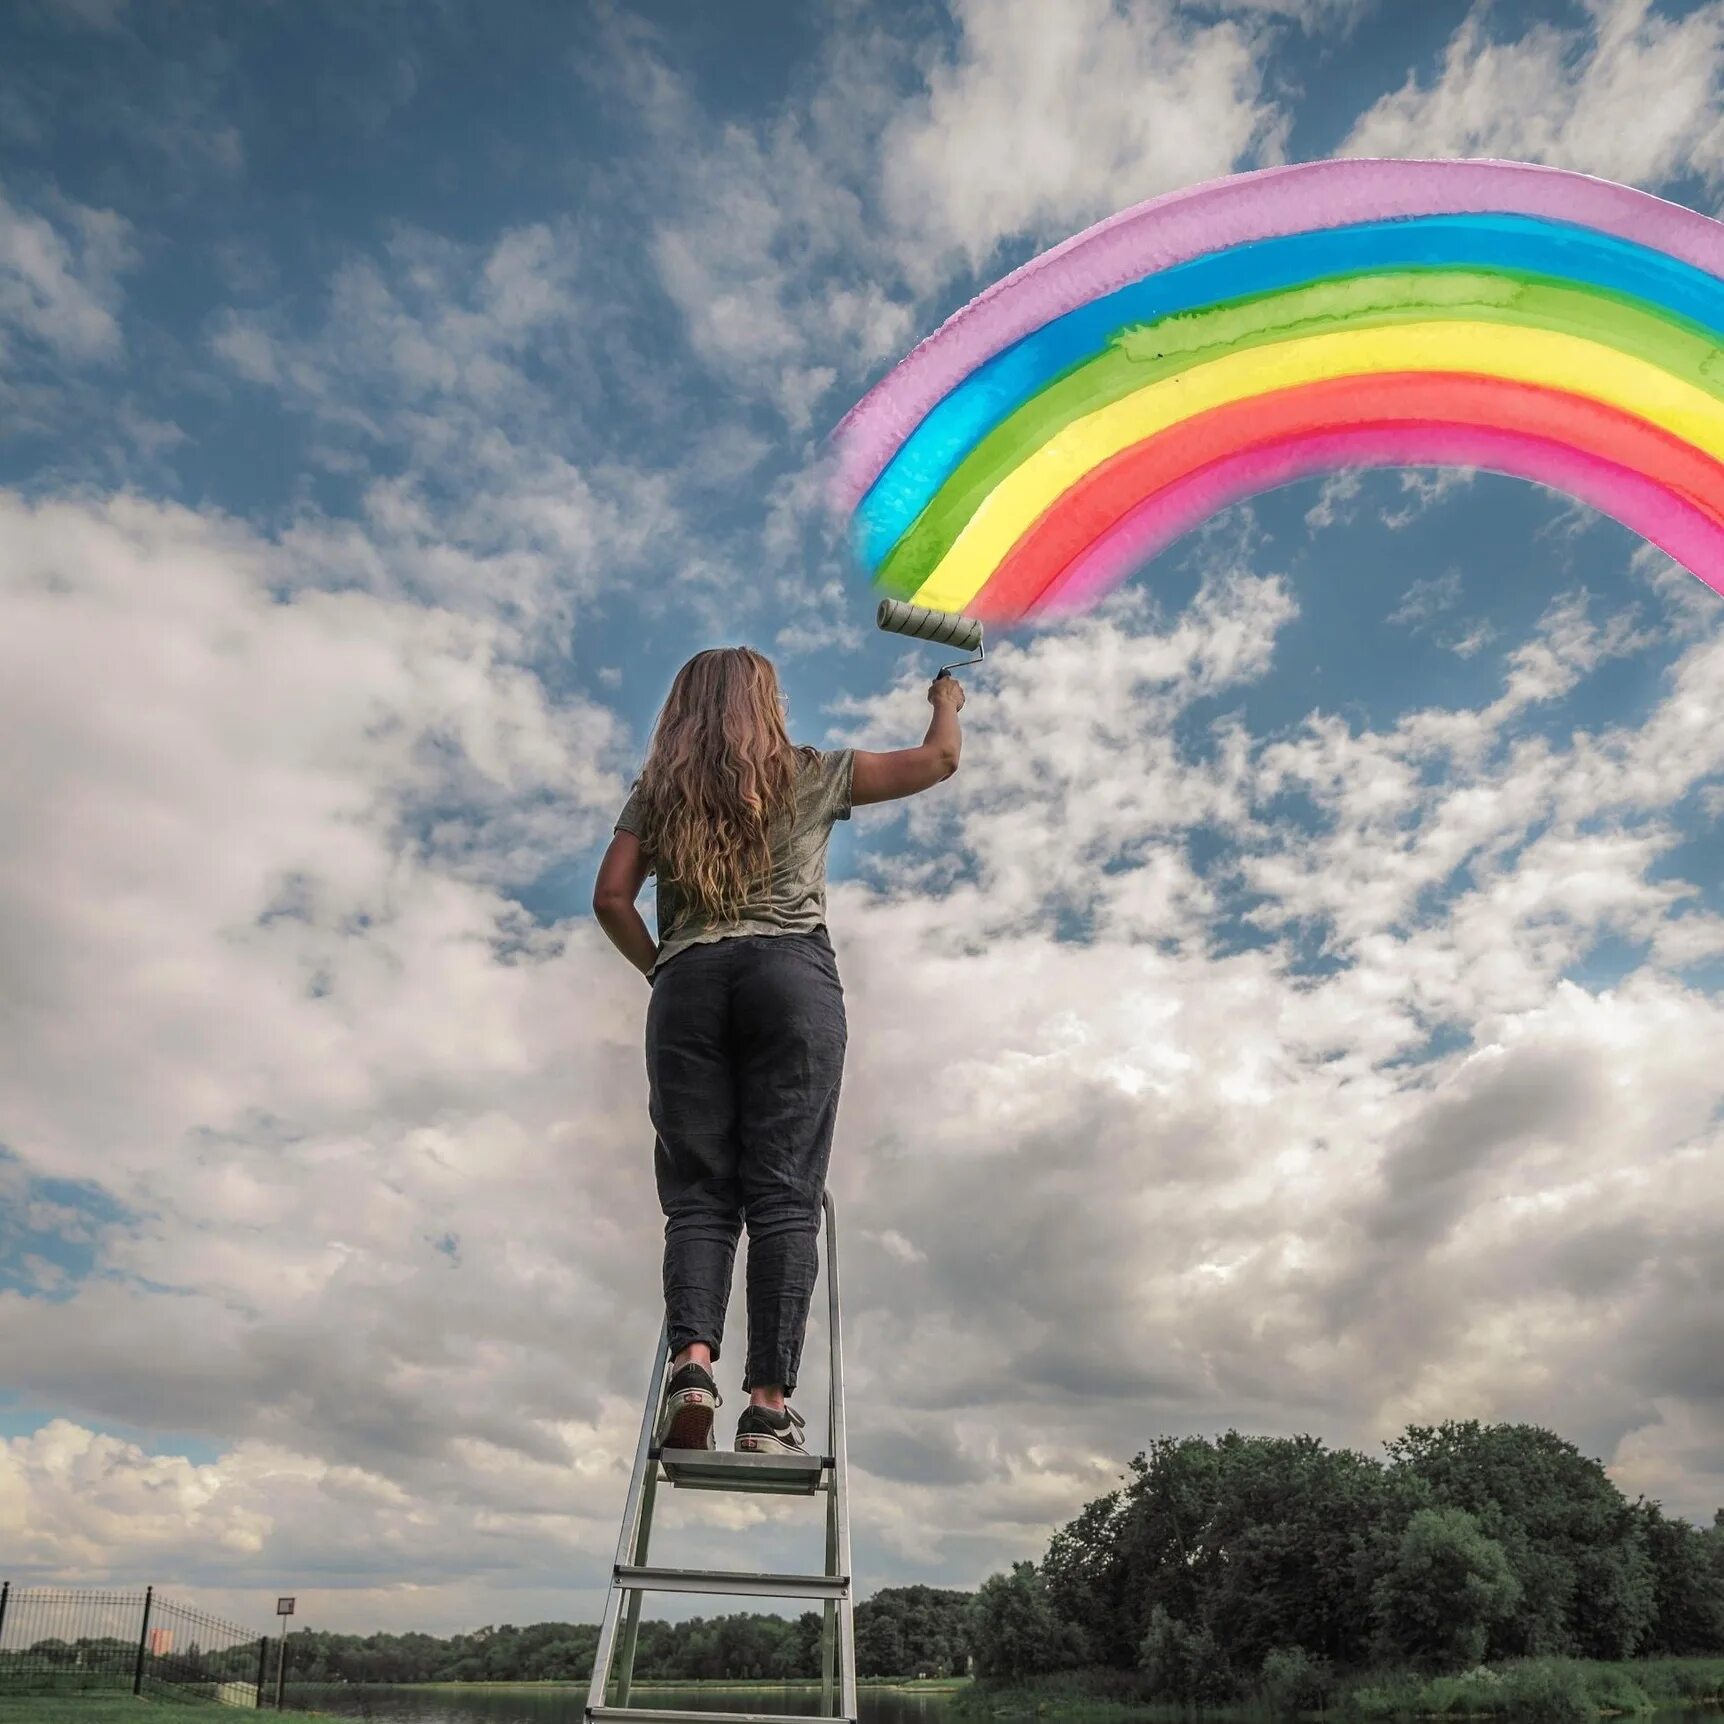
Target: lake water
column 564, row 1705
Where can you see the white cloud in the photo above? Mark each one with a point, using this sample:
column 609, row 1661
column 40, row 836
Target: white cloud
column 1309, row 15
column 59, row 279
column 242, row 822
column 1274, row 1129
column 1424, row 599
column 760, row 240
column 379, row 1139
column 1427, row 491
column 431, row 327
column 1633, row 94
column 364, row 1131
column 1472, row 640
column 1335, row 497
column 457, row 378
column 809, row 249
column 1041, row 119
column 1678, row 1441
column 72, row 1500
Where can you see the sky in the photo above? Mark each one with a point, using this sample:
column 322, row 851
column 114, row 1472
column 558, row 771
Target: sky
column 1300, row 1013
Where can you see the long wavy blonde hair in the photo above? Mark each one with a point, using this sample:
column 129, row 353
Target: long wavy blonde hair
column 720, row 771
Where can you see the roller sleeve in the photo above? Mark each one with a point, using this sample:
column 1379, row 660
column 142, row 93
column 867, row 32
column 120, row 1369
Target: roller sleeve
column 946, row 627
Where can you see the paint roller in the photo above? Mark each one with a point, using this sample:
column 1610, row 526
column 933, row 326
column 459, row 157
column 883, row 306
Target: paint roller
column 897, row 617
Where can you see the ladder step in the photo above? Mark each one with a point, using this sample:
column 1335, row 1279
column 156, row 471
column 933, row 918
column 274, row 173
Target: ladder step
column 634, row 1579
column 655, row 1715
column 725, row 1470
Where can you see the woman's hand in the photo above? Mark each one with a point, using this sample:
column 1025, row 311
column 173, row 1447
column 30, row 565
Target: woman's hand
column 947, row 691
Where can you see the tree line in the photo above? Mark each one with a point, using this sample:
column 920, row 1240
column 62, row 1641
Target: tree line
column 1250, row 1564
column 1220, row 1566
column 900, row 1631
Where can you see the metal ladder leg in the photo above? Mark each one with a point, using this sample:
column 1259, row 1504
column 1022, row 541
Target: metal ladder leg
column 838, row 1484
column 782, row 1475
column 632, row 1528
column 829, row 1619
column 632, row 1619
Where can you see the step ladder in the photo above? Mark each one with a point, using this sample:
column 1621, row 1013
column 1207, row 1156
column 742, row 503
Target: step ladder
column 724, row 1470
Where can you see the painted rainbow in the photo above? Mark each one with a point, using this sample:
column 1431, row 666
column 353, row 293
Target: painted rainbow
column 1078, row 416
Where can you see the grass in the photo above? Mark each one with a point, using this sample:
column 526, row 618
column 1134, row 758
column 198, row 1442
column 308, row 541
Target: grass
column 1530, row 1691
column 1541, row 1690
column 91, row 1708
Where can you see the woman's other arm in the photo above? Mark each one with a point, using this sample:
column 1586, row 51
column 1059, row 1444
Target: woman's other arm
column 903, row 772
column 622, row 873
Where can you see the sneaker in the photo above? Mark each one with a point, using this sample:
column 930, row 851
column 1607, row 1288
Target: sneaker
column 689, row 1399
column 760, row 1431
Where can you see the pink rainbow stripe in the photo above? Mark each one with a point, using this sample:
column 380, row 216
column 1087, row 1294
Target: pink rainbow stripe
column 1185, row 224
column 1666, row 520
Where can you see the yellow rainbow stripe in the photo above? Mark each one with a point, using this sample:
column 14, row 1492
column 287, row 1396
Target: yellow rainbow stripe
column 1548, row 358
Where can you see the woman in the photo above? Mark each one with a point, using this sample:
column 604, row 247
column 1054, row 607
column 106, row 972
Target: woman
column 745, row 1031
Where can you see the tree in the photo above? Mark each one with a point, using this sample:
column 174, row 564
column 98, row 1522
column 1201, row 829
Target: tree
column 1085, row 1570
column 913, row 1630
column 1182, row 1662
column 1448, row 1587
column 880, row 1649
column 1265, row 1539
column 1293, row 1520
column 1687, row 1586
column 1015, row 1630
column 1573, row 1541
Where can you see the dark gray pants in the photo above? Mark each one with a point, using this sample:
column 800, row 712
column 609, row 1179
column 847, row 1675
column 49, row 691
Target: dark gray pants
column 745, row 1049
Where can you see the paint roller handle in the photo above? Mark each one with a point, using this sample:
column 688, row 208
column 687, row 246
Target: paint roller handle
column 946, row 690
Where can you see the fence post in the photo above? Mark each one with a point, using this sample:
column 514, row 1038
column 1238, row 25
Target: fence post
column 143, row 1641
column 5, row 1593
column 262, row 1667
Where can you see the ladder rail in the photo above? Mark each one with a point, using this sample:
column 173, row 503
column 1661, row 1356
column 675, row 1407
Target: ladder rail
column 628, row 1536
column 840, row 1481
column 632, row 1616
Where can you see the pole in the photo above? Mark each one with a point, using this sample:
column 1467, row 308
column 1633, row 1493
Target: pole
column 5, row 1593
column 262, row 1668
column 143, row 1642
column 281, row 1666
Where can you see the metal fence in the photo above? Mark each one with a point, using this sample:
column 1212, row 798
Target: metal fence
column 56, row 1640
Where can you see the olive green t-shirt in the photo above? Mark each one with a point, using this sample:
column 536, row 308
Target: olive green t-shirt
column 792, row 898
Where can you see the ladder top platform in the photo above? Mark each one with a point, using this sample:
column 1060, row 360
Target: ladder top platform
column 725, row 1470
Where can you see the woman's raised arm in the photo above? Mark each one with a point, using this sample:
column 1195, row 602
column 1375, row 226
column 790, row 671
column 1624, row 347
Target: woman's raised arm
column 904, row 771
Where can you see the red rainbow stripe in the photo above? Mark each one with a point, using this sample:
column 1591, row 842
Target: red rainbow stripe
column 1126, row 509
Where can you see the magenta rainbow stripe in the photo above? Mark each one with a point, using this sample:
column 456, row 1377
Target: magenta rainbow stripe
column 1661, row 517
